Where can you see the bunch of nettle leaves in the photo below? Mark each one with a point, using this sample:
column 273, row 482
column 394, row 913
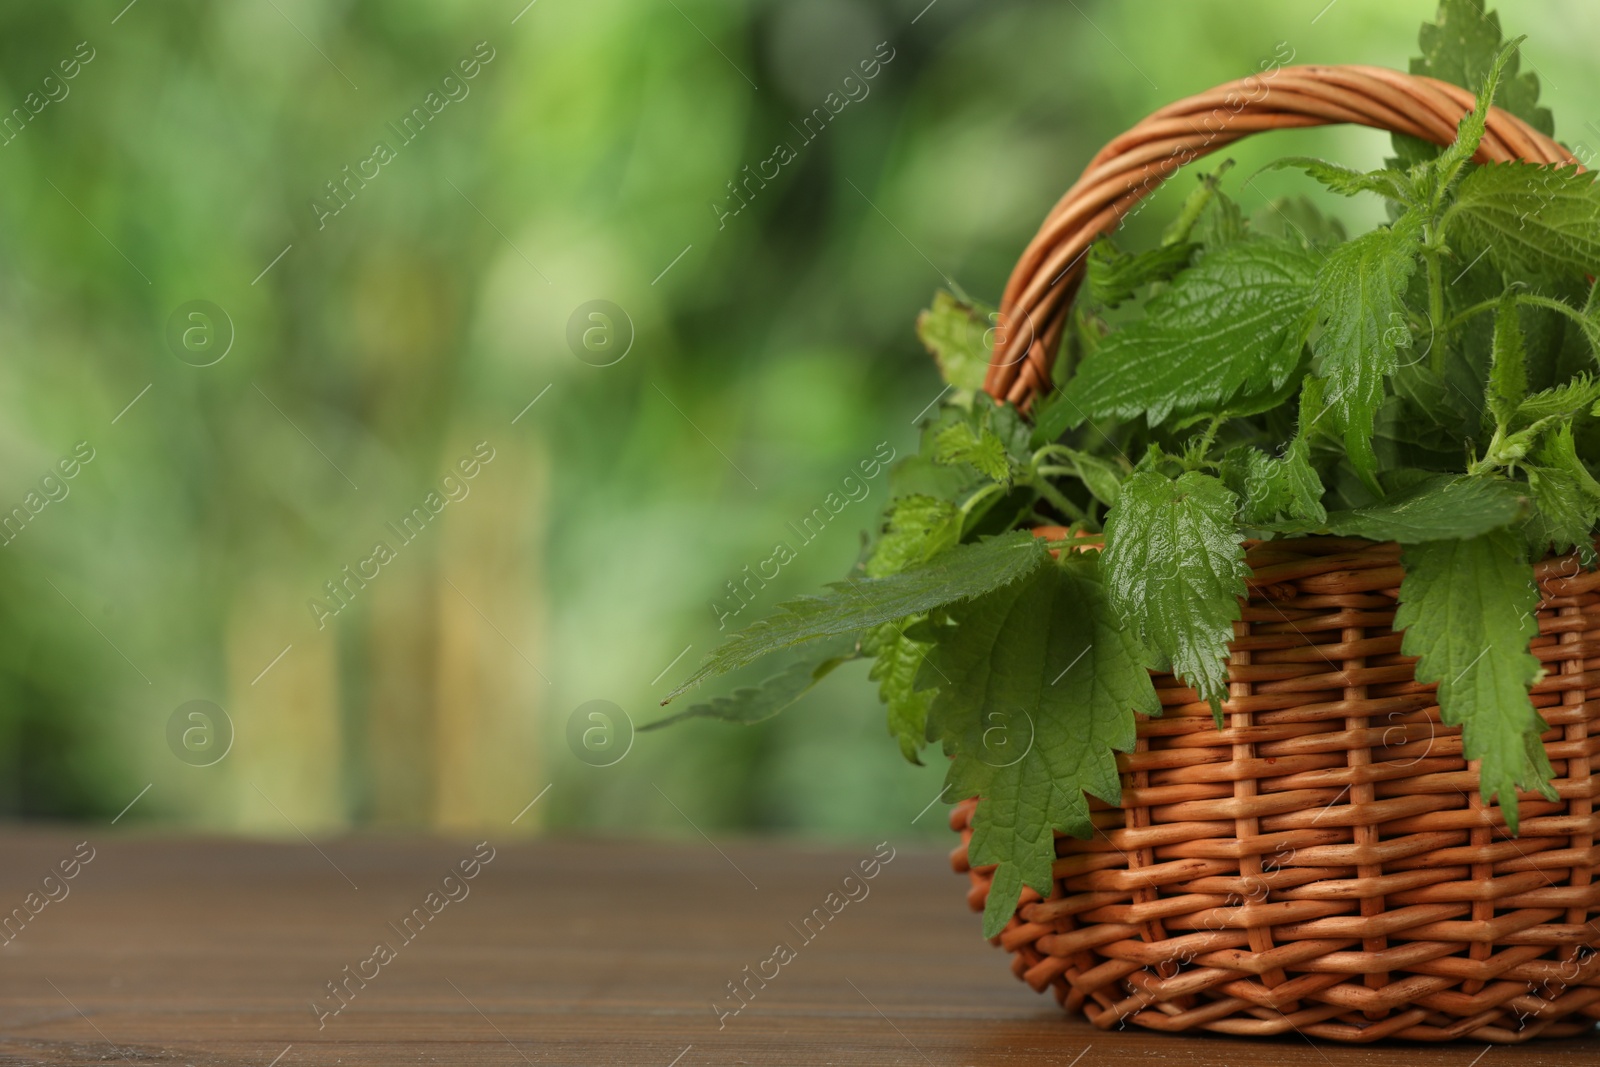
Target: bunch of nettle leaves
column 1427, row 383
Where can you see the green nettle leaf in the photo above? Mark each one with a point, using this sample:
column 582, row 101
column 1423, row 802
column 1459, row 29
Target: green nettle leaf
column 1246, row 404
column 1297, row 219
column 1393, row 184
column 1285, row 489
column 1195, row 204
column 1175, row 571
column 1223, row 224
column 1561, row 450
column 1232, row 324
column 1564, row 516
column 1436, row 508
column 1006, row 423
column 955, row 334
column 899, row 658
column 1508, row 367
column 1528, row 219
column 1562, row 402
column 803, row 669
column 1566, row 495
column 1114, row 276
column 1590, row 324
column 850, row 607
column 1037, row 686
column 1446, row 171
column 1101, row 477
column 961, row 442
column 1055, row 416
column 1461, row 45
column 1406, row 436
column 1360, row 307
column 918, row 527
column 918, row 475
column 1467, row 609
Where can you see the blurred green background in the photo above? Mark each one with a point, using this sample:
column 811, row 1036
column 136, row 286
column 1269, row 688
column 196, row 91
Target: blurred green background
column 589, row 157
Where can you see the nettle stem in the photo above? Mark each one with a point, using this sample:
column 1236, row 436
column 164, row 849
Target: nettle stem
column 976, row 498
column 1195, row 457
column 1053, row 450
column 1532, row 300
column 1058, row 499
column 1041, row 480
column 1438, row 350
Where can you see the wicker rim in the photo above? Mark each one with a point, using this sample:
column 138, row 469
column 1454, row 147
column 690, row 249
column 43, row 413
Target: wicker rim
column 1044, row 281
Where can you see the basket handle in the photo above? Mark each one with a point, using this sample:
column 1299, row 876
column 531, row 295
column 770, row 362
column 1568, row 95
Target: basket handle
column 1033, row 310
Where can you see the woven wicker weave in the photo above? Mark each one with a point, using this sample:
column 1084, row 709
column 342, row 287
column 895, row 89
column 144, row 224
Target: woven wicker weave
column 1324, row 863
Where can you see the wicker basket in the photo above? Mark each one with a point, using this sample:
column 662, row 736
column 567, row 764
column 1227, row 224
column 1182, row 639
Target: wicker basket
column 1324, row 864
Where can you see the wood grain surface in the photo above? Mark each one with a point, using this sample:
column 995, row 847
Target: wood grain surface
column 209, row 952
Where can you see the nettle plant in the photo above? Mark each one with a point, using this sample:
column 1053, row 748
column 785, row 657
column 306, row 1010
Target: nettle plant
column 1428, row 383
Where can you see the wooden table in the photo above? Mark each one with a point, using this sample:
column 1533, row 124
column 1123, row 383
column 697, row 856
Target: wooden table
column 206, row 951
